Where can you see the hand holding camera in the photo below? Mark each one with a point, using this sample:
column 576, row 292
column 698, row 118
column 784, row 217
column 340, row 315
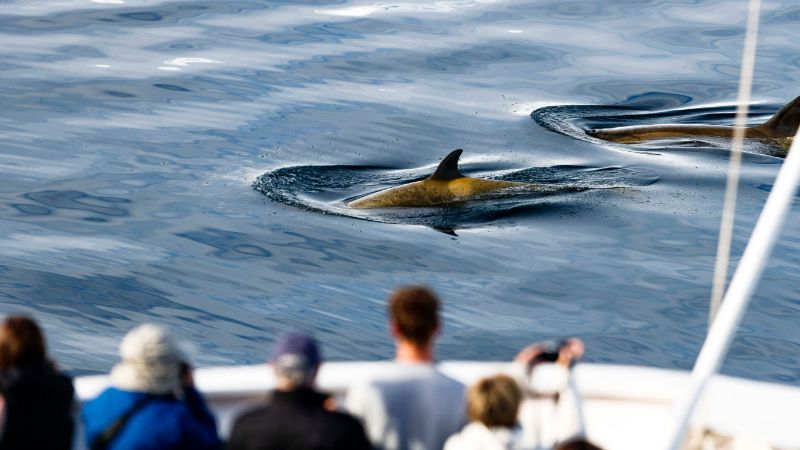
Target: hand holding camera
column 565, row 353
column 548, row 366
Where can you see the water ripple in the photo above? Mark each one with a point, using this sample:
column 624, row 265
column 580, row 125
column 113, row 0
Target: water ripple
column 132, row 130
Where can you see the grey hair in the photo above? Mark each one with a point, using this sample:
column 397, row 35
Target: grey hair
column 294, row 370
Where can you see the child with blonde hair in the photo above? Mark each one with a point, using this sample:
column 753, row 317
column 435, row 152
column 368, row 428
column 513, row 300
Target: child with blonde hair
column 492, row 407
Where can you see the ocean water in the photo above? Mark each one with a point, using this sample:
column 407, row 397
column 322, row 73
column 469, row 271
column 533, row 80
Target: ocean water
column 189, row 162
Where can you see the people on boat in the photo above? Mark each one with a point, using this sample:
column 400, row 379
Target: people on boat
column 413, row 405
column 492, row 407
column 152, row 402
column 37, row 403
column 553, row 413
column 297, row 416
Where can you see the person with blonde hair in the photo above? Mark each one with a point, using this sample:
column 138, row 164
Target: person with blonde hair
column 152, row 402
column 492, row 407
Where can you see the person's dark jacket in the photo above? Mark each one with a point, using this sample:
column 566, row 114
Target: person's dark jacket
column 39, row 406
column 297, row 420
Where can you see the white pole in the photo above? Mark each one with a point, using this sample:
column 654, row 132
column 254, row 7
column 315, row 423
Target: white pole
column 741, row 288
column 716, row 345
column 729, row 208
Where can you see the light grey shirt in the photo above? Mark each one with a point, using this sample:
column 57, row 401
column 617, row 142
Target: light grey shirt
column 408, row 407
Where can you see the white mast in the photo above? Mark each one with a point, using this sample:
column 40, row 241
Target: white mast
column 725, row 318
column 741, row 288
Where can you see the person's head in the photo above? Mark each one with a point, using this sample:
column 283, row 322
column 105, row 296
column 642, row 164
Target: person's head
column 21, row 342
column 414, row 315
column 578, row 444
column 295, row 360
column 494, row 401
column 151, row 361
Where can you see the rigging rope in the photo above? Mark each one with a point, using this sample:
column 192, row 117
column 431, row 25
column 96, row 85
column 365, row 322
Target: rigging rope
column 731, row 189
column 754, row 259
column 743, row 284
column 702, row 370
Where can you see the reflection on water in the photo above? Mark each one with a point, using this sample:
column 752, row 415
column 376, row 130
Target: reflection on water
column 132, row 131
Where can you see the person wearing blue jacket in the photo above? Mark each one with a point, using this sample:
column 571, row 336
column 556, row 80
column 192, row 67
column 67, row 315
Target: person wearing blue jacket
column 152, row 402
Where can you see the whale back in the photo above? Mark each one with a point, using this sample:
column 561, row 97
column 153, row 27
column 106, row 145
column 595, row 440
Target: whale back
column 785, row 122
column 448, row 168
column 446, row 185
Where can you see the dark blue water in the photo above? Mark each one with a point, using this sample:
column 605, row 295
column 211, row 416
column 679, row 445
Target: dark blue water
column 132, row 131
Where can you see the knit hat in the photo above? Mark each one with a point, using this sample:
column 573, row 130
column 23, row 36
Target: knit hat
column 296, row 357
column 150, row 362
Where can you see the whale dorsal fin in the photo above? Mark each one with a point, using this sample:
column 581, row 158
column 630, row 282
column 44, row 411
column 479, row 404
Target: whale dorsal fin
column 448, row 168
column 784, row 122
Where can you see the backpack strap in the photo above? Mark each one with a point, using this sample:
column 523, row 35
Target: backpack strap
column 102, row 440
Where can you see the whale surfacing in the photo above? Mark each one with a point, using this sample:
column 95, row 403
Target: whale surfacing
column 446, row 185
column 778, row 130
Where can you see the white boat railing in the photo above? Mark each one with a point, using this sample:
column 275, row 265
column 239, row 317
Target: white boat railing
column 624, row 407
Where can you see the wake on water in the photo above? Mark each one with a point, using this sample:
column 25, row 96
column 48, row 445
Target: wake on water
column 654, row 108
column 327, row 189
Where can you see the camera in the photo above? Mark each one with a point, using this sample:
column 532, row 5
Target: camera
column 549, row 354
column 545, row 378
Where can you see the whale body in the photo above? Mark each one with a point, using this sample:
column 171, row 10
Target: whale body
column 446, row 185
column 778, row 130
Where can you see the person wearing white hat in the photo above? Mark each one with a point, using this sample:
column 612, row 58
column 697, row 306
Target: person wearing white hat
column 152, row 402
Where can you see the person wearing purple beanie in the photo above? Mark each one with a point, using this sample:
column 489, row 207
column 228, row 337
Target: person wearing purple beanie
column 296, row 416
